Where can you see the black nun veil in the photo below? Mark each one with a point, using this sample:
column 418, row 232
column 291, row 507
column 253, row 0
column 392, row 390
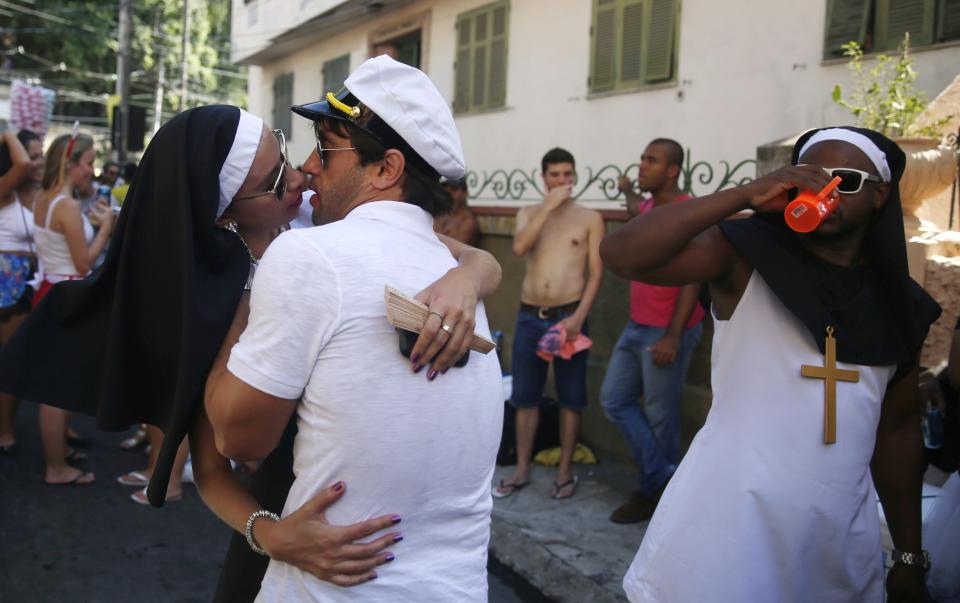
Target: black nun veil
column 133, row 342
column 880, row 314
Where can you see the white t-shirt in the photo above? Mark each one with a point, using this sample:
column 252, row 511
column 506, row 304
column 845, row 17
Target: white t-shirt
column 304, row 217
column 423, row 450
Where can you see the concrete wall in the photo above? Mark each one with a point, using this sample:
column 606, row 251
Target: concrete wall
column 748, row 73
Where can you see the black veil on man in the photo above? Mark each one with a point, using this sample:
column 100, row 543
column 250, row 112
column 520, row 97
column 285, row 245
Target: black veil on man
column 133, row 342
column 880, row 314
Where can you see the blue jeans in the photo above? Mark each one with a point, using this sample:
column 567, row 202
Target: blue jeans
column 652, row 432
column 530, row 370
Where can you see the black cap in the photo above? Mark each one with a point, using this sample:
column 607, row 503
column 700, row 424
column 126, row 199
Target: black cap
column 460, row 183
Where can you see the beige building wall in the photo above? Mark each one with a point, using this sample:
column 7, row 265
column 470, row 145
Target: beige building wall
column 747, row 73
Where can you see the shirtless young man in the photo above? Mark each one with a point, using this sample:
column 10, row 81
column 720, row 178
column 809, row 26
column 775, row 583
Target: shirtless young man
column 459, row 223
column 561, row 241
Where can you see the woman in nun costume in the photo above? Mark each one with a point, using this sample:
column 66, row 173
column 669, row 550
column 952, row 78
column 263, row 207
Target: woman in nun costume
column 133, row 343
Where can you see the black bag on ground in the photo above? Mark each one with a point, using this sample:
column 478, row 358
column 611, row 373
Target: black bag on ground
column 548, row 431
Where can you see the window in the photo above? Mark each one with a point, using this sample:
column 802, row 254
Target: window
column 481, row 64
column 633, row 43
column 334, row 72
column 879, row 25
column 282, row 100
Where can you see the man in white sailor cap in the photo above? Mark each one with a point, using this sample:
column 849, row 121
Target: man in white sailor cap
column 420, row 446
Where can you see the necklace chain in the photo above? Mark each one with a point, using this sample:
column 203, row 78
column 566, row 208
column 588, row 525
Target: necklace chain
column 232, row 227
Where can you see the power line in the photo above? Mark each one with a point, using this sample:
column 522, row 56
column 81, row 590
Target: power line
column 47, row 16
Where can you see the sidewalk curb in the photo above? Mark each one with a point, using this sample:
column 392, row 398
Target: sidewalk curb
column 543, row 570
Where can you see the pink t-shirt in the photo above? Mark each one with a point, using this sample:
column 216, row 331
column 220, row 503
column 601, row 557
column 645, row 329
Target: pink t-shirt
column 652, row 305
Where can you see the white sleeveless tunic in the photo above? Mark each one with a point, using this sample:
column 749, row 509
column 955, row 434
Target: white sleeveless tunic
column 761, row 509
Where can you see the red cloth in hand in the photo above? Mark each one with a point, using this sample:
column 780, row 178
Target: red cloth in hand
column 555, row 343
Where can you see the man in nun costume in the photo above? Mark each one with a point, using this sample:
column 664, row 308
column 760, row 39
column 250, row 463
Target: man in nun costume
column 815, row 355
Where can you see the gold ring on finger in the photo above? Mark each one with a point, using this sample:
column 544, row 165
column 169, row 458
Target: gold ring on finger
column 437, row 314
column 447, row 328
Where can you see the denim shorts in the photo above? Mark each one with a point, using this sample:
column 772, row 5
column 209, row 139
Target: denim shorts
column 530, row 371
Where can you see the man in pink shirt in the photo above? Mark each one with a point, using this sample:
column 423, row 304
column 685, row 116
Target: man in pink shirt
column 653, row 353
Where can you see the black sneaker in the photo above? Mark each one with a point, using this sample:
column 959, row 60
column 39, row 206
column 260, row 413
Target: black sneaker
column 637, row 508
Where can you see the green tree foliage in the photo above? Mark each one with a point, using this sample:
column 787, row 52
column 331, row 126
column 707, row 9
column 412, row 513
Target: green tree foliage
column 72, row 47
column 883, row 96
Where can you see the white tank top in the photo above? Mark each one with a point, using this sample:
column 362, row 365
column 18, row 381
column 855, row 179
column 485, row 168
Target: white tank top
column 52, row 246
column 16, row 227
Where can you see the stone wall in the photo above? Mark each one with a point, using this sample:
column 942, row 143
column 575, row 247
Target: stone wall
column 942, row 277
column 607, row 319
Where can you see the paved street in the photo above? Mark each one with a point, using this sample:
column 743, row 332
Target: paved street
column 92, row 544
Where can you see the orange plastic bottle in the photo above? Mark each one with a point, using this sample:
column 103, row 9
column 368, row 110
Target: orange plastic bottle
column 808, row 210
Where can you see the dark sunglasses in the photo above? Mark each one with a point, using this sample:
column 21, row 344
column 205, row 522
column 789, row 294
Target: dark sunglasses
column 279, row 188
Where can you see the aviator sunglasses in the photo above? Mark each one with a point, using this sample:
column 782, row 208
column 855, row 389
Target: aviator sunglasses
column 321, row 152
column 279, row 188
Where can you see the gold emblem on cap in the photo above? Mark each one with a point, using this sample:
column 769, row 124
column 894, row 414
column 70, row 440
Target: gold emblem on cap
column 353, row 112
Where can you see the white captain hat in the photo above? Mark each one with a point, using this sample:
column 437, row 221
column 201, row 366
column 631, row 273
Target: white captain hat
column 408, row 114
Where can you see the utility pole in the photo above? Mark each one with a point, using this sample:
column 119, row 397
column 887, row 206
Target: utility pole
column 183, row 54
column 161, row 73
column 123, row 80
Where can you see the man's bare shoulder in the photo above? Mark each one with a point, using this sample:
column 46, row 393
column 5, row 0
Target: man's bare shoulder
column 585, row 214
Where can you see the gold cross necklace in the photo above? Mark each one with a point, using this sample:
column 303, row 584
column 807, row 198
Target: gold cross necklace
column 830, row 375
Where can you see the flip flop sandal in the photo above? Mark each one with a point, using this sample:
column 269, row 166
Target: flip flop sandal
column 135, row 441
column 140, row 497
column 511, row 488
column 574, row 481
column 77, row 440
column 75, row 455
column 77, row 481
column 134, row 478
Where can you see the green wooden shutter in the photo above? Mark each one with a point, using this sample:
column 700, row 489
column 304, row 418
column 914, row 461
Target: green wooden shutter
column 480, row 80
column 896, row 17
column 461, row 94
column 334, row 72
column 631, row 42
column 481, row 38
column 497, row 89
column 948, row 27
column 603, row 74
column 659, row 53
column 282, row 100
column 846, row 22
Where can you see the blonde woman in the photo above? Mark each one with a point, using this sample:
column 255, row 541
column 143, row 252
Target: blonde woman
column 67, row 246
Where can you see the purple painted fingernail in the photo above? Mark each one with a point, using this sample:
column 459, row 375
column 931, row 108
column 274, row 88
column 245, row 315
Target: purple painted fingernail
column 389, row 557
column 431, row 375
column 395, row 519
column 417, row 368
column 373, row 576
column 338, row 486
column 398, row 538
column 415, row 358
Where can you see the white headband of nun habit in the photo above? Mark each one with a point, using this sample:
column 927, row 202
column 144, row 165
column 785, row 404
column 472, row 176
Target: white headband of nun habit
column 869, row 148
column 240, row 158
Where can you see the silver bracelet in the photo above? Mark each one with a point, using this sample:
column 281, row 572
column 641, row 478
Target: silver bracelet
column 249, row 532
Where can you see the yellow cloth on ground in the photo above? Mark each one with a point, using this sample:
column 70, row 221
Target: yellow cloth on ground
column 551, row 456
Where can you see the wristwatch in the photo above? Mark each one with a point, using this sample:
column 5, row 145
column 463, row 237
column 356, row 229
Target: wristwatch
column 921, row 559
